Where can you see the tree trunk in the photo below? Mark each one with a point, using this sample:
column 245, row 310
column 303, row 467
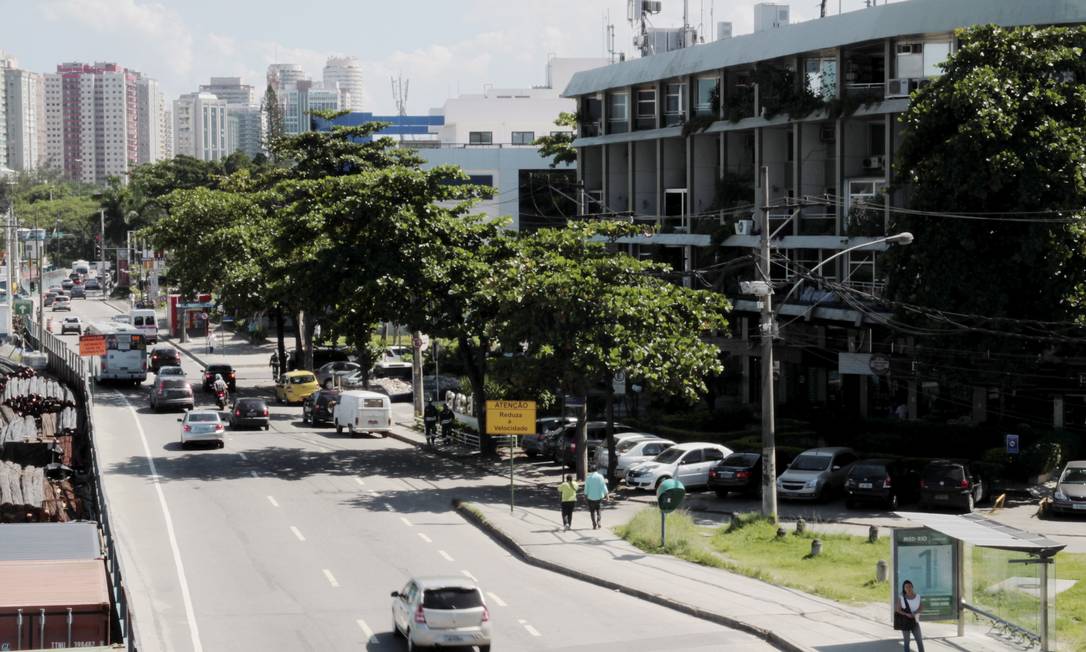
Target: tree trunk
column 580, row 462
column 280, row 338
column 612, row 459
column 475, row 365
column 298, row 348
column 308, row 326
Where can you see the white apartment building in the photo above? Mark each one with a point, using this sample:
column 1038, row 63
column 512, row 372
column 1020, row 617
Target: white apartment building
column 6, row 62
column 245, row 129
column 53, row 122
column 345, row 73
column 25, row 107
column 200, row 126
column 165, row 138
column 152, row 113
column 283, row 76
column 304, row 98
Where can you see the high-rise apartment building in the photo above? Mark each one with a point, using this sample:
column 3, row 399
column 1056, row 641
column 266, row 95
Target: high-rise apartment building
column 231, row 90
column 346, row 74
column 303, row 100
column 165, row 141
column 200, row 126
column 53, row 122
column 24, row 100
column 6, row 62
column 245, row 129
column 151, row 115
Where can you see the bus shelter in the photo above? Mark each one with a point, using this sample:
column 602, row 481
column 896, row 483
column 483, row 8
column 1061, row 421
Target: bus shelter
column 934, row 558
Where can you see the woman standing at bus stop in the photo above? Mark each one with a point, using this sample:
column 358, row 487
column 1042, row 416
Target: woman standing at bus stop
column 907, row 615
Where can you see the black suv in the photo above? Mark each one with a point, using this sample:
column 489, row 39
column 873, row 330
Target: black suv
column 317, row 407
column 887, row 482
column 946, row 483
column 226, row 371
column 165, row 355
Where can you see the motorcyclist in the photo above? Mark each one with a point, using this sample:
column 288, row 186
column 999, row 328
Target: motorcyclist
column 220, row 387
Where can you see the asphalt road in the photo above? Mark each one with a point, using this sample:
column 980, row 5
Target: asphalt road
column 292, row 539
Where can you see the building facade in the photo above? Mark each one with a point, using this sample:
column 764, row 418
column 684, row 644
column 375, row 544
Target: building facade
column 24, row 107
column 245, row 129
column 690, row 142
column 152, row 112
column 200, row 127
column 302, row 100
column 345, row 74
column 231, row 90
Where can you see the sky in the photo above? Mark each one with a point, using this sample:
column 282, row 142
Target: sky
column 442, row 47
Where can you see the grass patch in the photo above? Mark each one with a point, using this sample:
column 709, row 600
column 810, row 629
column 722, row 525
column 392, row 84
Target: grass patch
column 845, row 571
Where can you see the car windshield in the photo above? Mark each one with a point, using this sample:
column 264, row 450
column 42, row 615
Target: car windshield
column 175, row 383
column 741, row 459
column 202, row 417
column 452, row 598
column 811, row 463
column 302, row 380
column 623, row 446
column 669, row 456
column 1074, row 476
column 219, row 369
column 251, row 403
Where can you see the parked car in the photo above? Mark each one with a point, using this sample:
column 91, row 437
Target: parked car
column 948, row 483
column 78, row 291
column 202, row 426
column 688, row 463
column 396, row 353
column 249, row 413
column 163, row 355
column 630, row 453
column 321, row 356
column 331, row 373
column 1070, row 493
column 816, row 474
column 62, row 303
column 565, row 451
column 533, row 444
column 441, row 612
column 294, row 386
column 171, row 393
column 738, row 473
column 887, row 482
column 71, row 325
column 317, row 407
column 226, row 371
column 603, row 456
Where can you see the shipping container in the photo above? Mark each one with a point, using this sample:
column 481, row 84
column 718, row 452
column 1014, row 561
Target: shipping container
column 53, row 604
column 50, row 541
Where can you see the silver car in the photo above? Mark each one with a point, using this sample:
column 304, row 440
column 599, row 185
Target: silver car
column 171, row 392
column 441, row 612
column 202, row 426
column 1070, row 493
column 817, row 473
column 332, row 373
column 630, row 453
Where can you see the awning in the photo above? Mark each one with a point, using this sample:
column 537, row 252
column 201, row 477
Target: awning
column 986, row 533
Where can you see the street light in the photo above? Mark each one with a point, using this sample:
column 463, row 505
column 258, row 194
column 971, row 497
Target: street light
column 903, row 238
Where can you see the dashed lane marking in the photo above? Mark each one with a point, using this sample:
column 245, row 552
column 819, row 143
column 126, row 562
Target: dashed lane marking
column 254, row 474
column 446, row 555
column 406, row 521
column 360, row 483
column 425, row 538
column 330, row 577
column 273, row 501
column 498, row 601
column 242, row 456
column 366, row 631
column 468, row 575
column 390, row 507
column 297, row 533
column 531, row 630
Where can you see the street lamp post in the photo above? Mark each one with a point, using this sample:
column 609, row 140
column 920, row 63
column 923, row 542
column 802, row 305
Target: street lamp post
column 764, row 290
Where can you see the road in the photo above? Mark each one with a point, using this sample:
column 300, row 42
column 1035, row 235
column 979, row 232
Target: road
column 292, row 539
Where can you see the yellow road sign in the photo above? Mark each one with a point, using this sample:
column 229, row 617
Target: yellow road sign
column 510, row 417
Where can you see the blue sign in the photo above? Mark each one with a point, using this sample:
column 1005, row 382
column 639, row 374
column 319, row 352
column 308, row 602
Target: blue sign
column 1012, row 444
column 574, row 401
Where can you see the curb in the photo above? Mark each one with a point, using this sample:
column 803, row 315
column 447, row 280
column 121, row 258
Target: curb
column 507, row 542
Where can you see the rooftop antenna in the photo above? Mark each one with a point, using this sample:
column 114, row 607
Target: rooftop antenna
column 609, row 39
column 637, row 13
column 399, row 96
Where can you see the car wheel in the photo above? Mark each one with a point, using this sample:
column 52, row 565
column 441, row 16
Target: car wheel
column 184, row 444
column 660, row 480
column 531, row 454
column 350, row 429
column 222, row 444
column 892, row 502
column 267, row 427
column 339, row 428
column 721, row 493
column 305, row 417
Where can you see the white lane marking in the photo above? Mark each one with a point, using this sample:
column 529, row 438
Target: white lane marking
column 374, row 493
column 186, row 598
column 531, row 630
column 242, row 456
column 360, row 484
column 406, row 522
column 446, row 555
column 498, row 601
column 390, row 507
column 297, row 533
column 331, row 578
column 366, row 631
column 274, row 502
column 253, row 473
column 425, row 538
column 468, row 575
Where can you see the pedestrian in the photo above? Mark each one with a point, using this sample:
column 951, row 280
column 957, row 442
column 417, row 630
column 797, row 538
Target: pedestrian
column 595, row 490
column 446, row 417
column 429, row 421
column 274, row 364
column 907, row 615
column 567, row 493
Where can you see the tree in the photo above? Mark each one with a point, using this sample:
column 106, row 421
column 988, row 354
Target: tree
column 273, row 118
column 558, row 146
column 582, row 313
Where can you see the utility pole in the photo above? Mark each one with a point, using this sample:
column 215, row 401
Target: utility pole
column 769, row 444
column 102, row 233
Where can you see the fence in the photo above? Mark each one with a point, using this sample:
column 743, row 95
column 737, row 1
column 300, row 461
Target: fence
column 68, row 366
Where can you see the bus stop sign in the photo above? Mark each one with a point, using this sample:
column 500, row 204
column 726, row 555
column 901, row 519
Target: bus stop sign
column 669, row 495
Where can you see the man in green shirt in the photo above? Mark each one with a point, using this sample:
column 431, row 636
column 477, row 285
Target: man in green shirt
column 567, row 492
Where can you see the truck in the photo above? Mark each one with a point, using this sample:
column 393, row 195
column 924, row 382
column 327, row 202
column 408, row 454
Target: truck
column 54, row 604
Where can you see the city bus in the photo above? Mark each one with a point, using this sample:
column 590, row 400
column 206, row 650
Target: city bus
column 126, row 352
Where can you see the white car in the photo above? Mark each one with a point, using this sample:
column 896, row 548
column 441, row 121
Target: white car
column 62, row 303
column 688, row 463
column 603, row 457
column 441, row 612
column 71, row 325
column 639, row 451
column 202, row 426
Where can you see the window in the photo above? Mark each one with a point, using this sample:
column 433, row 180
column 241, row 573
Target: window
column 645, row 109
column 618, row 113
column 935, row 54
column 712, row 455
column 523, row 137
column 707, row 96
column 693, row 457
column 674, row 104
column 481, row 138
column 822, row 76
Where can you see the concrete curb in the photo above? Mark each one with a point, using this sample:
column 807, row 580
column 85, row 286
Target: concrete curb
column 507, row 542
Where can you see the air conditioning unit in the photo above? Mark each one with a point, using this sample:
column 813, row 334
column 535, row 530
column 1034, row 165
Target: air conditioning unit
column 876, row 162
column 744, row 227
column 827, row 133
column 902, row 87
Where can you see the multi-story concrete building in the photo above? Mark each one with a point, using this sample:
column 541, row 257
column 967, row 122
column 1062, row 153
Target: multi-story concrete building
column 25, row 107
column 302, row 100
column 6, row 62
column 245, row 129
column 165, row 139
column 152, row 112
column 53, row 122
column 200, row 126
column 231, row 90
column 345, row 73
column 283, row 76
column 694, row 141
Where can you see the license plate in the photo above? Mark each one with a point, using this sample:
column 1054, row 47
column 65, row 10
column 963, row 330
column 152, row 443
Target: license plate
column 1079, row 506
column 371, row 422
column 727, row 474
column 455, row 638
column 942, row 497
column 865, row 485
column 250, row 414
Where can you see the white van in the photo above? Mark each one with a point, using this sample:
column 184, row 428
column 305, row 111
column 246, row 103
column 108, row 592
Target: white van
column 145, row 320
column 361, row 411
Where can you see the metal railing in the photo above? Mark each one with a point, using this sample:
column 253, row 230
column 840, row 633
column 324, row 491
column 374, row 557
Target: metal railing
column 69, row 367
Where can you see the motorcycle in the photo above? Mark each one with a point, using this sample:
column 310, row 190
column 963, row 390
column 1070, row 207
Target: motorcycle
column 220, row 399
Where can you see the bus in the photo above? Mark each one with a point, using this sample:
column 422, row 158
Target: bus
column 126, row 352
column 81, row 267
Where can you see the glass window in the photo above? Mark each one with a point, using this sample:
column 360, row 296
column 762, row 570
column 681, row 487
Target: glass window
column 618, row 113
column 822, row 76
column 481, row 138
column 934, row 55
column 645, row 109
column 707, row 88
column 809, row 462
column 712, row 455
column 693, row 457
column 452, row 598
column 523, row 137
column 674, row 104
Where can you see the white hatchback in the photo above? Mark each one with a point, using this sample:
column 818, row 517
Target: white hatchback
column 688, row 463
column 637, row 452
column 441, row 612
column 202, row 426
